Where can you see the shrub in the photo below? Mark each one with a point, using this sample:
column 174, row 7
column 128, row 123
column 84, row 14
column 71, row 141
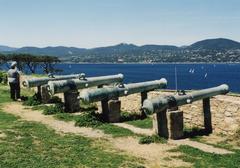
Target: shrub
column 55, row 99
column 3, row 77
column 125, row 116
column 89, row 119
column 32, row 101
column 152, row 139
column 53, row 109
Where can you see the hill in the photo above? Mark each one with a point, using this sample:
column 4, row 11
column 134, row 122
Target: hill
column 209, row 50
column 215, row 44
column 6, row 48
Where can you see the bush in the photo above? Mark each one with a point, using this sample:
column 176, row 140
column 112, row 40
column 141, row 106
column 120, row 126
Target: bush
column 55, row 99
column 125, row 116
column 3, row 77
column 89, row 119
column 32, row 101
column 53, row 109
column 152, row 139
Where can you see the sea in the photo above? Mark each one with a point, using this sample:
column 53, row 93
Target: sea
column 179, row 76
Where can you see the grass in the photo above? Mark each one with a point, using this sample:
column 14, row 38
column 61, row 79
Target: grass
column 202, row 159
column 145, row 123
column 152, row 139
column 115, row 131
column 90, row 119
column 29, row 144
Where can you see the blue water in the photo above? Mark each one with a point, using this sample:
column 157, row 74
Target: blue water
column 216, row 73
column 204, row 76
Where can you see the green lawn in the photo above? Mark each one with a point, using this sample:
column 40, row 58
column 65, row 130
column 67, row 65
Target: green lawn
column 31, row 144
column 145, row 123
column 202, row 159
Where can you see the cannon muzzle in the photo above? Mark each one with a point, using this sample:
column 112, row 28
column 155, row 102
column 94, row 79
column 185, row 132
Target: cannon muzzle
column 81, row 83
column 95, row 95
column 164, row 102
column 42, row 81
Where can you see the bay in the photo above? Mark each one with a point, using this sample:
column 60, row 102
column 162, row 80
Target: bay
column 189, row 76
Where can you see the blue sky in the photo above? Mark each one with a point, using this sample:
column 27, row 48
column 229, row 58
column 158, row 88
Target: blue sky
column 93, row 23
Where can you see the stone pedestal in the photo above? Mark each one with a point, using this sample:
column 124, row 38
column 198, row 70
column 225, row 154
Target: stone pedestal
column 143, row 97
column 71, row 101
column 45, row 95
column 160, row 124
column 39, row 93
column 168, row 124
column 207, row 115
column 111, row 110
column 175, row 124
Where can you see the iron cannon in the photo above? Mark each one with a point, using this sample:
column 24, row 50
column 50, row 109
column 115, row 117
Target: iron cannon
column 165, row 102
column 42, row 81
column 108, row 93
column 63, row 86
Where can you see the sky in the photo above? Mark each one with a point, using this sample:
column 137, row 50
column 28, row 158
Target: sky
column 95, row 23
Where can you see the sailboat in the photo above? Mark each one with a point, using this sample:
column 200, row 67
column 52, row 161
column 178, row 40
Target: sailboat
column 205, row 75
column 191, row 70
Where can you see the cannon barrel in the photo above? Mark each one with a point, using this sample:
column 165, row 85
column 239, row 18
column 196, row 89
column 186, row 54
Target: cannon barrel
column 95, row 95
column 75, row 84
column 161, row 103
column 42, row 81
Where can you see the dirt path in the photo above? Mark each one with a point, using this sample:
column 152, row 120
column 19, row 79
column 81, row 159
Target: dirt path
column 59, row 126
column 136, row 130
column 194, row 144
column 156, row 155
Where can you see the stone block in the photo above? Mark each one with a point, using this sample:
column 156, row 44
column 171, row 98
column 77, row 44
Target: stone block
column 168, row 124
column 71, row 101
column 175, row 124
column 45, row 95
column 111, row 110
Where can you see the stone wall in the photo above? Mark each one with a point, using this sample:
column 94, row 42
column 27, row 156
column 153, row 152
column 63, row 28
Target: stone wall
column 225, row 114
column 225, row 111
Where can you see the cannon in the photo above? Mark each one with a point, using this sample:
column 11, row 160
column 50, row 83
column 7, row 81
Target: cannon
column 109, row 96
column 42, row 81
column 70, row 88
column 160, row 105
column 121, row 90
column 63, row 86
column 41, row 84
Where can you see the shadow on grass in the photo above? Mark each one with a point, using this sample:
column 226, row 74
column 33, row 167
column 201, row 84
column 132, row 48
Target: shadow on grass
column 194, row 132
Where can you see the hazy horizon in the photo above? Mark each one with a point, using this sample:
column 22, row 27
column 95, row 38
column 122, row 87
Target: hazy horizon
column 93, row 23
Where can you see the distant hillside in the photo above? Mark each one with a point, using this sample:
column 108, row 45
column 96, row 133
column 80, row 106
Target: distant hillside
column 215, row 44
column 52, row 51
column 6, row 48
column 210, row 50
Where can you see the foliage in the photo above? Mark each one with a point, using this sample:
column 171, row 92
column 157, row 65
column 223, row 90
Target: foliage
column 126, row 116
column 152, row 139
column 89, row 119
column 32, row 101
column 3, row 77
column 28, row 62
column 55, row 99
column 53, row 109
